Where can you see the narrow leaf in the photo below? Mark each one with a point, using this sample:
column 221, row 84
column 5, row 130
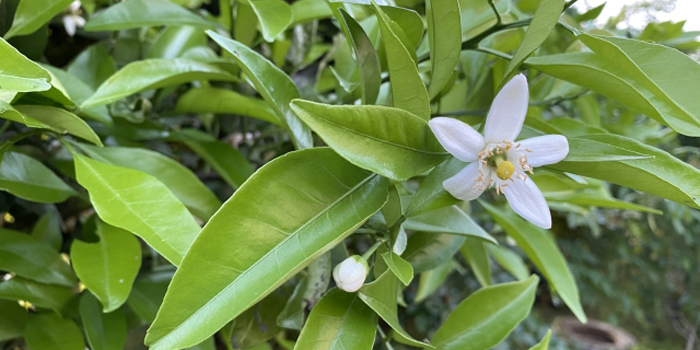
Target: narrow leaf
column 144, row 13
column 28, row 178
column 445, row 39
column 104, row 331
column 18, row 73
column 32, row 14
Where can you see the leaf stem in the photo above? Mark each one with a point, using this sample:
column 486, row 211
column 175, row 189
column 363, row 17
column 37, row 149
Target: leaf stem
column 372, row 249
column 499, row 20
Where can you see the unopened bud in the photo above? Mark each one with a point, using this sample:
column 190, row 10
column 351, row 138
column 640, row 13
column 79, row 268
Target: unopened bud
column 350, row 274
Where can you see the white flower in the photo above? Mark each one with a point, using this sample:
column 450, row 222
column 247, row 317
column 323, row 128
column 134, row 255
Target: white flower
column 497, row 160
column 73, row 19
column 350, row 274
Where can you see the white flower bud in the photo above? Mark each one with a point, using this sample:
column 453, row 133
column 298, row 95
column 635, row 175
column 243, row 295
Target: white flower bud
column 350, row 274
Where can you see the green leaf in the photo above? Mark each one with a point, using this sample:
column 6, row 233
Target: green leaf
column 407, row 89
column 431, row 195
column 28, row 178
column 309, row 10
column 596, row 199
column 450, row 219
column 48, row 228
column 509, row 261
column 181, row 181
column 104, row 331
column 388, row 141
column 292, row 316
column 42, row 295
column 591, row 14
column 222, row 101
column 93, row 66
column 60, row 121
column 340, row 320
column 10, row 113
column 259, row 323
column 426, row 251
column 381, row 296
column 400, row 267
column 544, row 344
column 594, row 72
column 13, row 320
column 540, row 247
column 227, row 161
column 152, row 74
column 475, row 254
column 431, row 280
column 663, row 175
column 543, row 22
column 77, row 92
column 445, row 38
column 108, row 268
column 582, row 149
column 48, row 331
column 300, row 205
column 148, row 293
column 273, row 85
column 139, row 203
column 486, row 317
column 32, row 14
column 665, row 72
column 18, row 73
column 365, row 56
column 274, row 17
column 31, row 258
column 174, row 41
column 144, row 13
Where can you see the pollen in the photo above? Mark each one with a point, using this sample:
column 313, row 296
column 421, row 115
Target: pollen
column 505, row 170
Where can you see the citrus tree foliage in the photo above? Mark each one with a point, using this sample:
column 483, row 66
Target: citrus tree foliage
column 260, row 174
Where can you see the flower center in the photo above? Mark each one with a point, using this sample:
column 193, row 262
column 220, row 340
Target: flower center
column 504, row 169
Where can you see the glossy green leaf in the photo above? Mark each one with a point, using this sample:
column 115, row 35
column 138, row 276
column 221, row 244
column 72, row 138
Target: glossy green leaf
column 77, row 92
column 222, row 101
column 13, row 320
column 583, row 149
column 32, row 14
column 663, row 175
column 667, row 73
column 152, row 74
column 93, row 66
column 365, row 56
column 18, row 73
column 407, row 89
column 48, row 331
column 486, row 317
column 292, row 316
column 104, row 331
column 445, row 39
column 450, row 219
column 181, row 181
column 594, row 199
column 58, row 92
column 174, row 41
column 426, row 251
column 273, row 85
column 509, row 261
column 310, row 10
column 231, row 165
column 381, row 296
column 409, row 22
column 385, row 140
column 477, row 257
column 33, row 259
column 28, row 178
column 300, row 205
column 143, row 13
column 541, row 248
column 48, row 228
column 259, row 323
column 543, row 22
column 139, row 203
column 108, row 268
column 400, row 267
column 9, row 112
column 148, row 293
column 60, row 121
column 274, row 17
column 544, row 344
column 431, row 195
column 431, row 280
column 42, row 295
column 339, row 321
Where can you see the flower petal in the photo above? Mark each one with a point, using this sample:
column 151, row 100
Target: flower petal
column 507, row 113
column 69, row 24
column 527, row 200
column 458, row 138
column 548, row 149
column 461, row 185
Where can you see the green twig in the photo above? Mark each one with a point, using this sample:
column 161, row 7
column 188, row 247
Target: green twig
column 372, row 249
column 499, row 20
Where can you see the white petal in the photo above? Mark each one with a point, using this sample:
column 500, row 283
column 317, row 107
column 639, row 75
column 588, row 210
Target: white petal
column 548, row 149
column 461, row 185
column 80, row 21
column 458, row 138
column 69, row 23
column 527, row 200
column 507, row 113
column 74, row 6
